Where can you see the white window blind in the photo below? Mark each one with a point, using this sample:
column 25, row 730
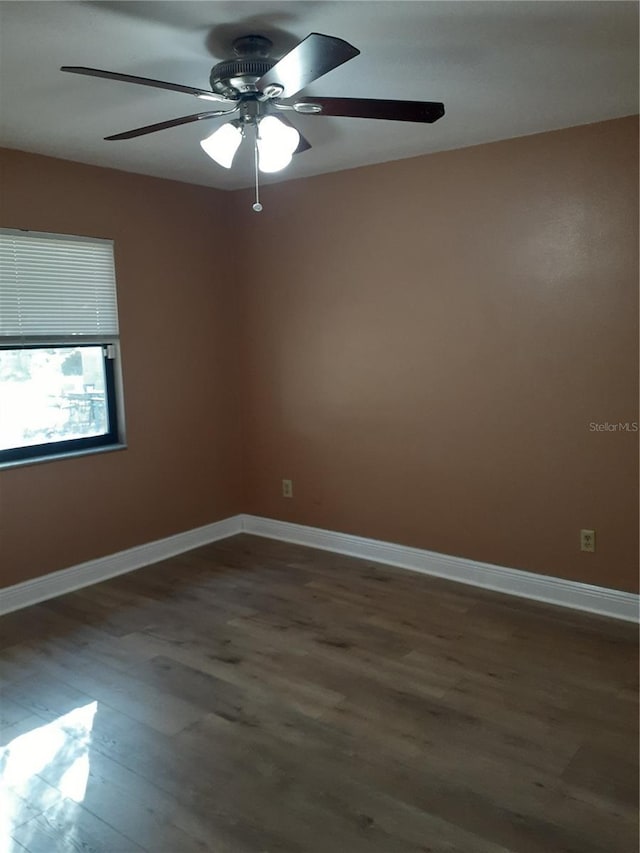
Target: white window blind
column 56, row 286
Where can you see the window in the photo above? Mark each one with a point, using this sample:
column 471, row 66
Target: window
column 59, row 348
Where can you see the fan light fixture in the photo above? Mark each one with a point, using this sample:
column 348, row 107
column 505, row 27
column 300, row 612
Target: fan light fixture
column 276, row 143
column 222, row 145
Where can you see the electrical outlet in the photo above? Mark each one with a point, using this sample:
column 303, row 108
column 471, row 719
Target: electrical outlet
column 287, row 488
column 588, row 540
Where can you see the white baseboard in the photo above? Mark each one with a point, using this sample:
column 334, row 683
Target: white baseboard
column 94, row 571
column 552, row 590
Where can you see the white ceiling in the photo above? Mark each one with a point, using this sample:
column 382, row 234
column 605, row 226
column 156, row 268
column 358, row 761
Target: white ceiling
column 503, row 69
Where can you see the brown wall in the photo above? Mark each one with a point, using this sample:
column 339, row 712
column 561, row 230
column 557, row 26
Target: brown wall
column 179, row 350
column 427, row 342
column 421, row 348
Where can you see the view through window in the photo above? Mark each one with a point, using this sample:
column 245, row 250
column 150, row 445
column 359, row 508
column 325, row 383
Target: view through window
column 52, row 394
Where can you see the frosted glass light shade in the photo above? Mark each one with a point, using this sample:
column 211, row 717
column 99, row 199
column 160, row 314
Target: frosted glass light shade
column 276, row 144
column 222, row 145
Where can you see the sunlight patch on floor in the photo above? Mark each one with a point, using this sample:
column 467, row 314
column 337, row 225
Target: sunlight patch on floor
column 61, row 748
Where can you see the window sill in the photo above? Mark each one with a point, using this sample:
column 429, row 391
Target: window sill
column 56, row 457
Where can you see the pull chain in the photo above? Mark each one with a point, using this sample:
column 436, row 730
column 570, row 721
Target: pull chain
column 256, row 205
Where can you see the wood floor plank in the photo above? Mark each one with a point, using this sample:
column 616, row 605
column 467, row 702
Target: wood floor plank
column 69, row 828
column 140, row 811
column 113, row 686
column 11, row 714
column 255, row 696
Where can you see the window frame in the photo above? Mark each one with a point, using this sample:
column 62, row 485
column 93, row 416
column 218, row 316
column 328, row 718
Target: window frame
column 114, row 438
column 86, row 444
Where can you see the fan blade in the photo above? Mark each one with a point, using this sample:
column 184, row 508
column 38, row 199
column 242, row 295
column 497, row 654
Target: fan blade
column 163, row 125
column 422, row 111
column 311, row 58
column 304, row 144
column 144, row 81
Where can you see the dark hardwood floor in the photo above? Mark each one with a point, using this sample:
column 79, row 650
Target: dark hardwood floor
column 258, row 697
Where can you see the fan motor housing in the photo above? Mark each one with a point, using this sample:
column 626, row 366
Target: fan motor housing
column 238, row 76
column 235, row 77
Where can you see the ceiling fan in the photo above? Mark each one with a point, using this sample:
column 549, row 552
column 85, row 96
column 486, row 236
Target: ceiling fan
column 257, row 91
